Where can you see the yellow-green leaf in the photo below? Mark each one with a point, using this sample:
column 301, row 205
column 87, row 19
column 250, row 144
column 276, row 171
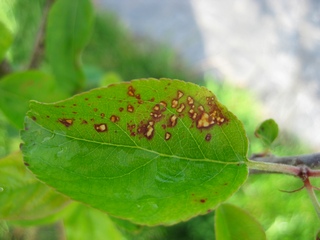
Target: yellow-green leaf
column 22, row 196
column 233, row 223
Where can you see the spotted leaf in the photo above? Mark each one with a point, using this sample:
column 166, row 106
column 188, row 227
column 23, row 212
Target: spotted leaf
column 150, row 151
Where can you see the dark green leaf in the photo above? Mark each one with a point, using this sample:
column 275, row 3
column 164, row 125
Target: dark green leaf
column 88, row 223
column 267, row 131
column 150, row 151
column 17, row 89
column 233, row 223
column 22, row 196
column 5, row 40
column 68, row 31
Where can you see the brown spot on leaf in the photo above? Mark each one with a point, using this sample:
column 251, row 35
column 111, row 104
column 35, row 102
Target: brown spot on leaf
column 158, row 109
column 203, row 200
column 163, row 103
column 74, row 112
column 84, row 122
column 146, row 129
column 66, row 122
column 152, row 99
column 200, row 108
column 34, row 118
column 95, row 109
column 174, row 103
column 131, row 129
column 208, row 137
column 131, row 91
column 102, row 115
column 102, row 127
column 190, row 100
column 114, row 118
column 130, row 108
column 181, row 108
column 74, row 104
column 167, row 136
column 99, row 96
column 173, row 121
column 121, row 109
column 205, row 121
column 86, row 99
column 26, row 164
column 48, row 116
column 180, row 94
column 92, row 119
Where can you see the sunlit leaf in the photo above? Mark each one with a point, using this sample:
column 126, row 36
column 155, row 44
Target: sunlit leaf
column 150, row 151
column 88, row 223
column 233, row 223
column 17, row 89
column 267, row 131
column 23, row 197
column 68, row 31
column 5, row 40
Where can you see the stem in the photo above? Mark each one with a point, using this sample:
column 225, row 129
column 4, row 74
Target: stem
column 38, row 51
column 310, row 160
column 312, row 196
column 274, row 167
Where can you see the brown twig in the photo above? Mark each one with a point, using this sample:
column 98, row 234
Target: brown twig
column 4, row 68
column 38, row 51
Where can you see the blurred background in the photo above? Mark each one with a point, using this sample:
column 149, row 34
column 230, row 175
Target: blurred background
column 268, row 46
column 260, row 57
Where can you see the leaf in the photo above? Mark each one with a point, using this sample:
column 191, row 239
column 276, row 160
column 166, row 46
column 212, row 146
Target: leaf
column 5, row 40
column 233, row 223
column 150, row 151
column 88, row 223
column 68, row 31
column 267, row 131
column 23, row 197
column 17, row 89
column 4, row 230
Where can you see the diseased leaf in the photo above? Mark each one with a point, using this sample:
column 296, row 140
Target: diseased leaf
column 233, row 223
column 68, row 31
column 88, row 223
column 5, row 40
column 17, row 89
column 23, row 197
column 267, row 131
column 150, row 151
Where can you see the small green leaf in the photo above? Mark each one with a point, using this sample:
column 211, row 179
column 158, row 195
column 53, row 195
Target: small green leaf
column 267, row 131
column 88, row 223
column 4, row 229
column 233, row 223
column 150, row 151
column 17, row 89
column 68, row 31
column 5, row 40
column 22, row 196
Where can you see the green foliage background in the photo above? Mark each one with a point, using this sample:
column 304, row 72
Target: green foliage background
column 113, row 54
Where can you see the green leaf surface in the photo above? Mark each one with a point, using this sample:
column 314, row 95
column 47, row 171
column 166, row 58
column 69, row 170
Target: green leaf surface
column 22, row 196
column 4, row 229
column 150, row 151
column 233, row 223
column 5, row 40
column 17, row 89
column 68, row 31
column 89, row 223
column 267, row 131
